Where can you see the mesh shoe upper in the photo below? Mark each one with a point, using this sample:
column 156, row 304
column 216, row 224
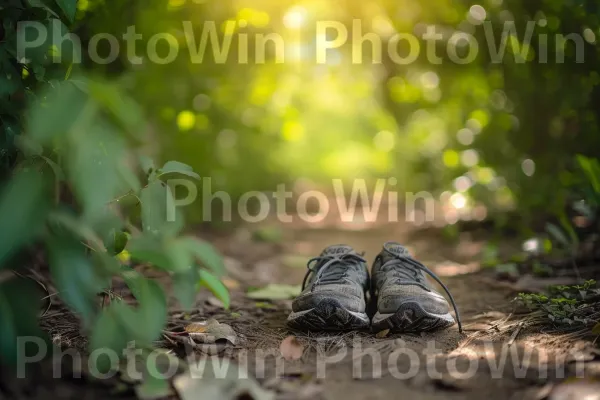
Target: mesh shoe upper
column 338, row 273
column 397, row 278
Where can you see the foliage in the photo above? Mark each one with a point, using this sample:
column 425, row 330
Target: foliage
column 504, row 135
column 501, row 134
column 567, row 306
column 81, row 187
column 584, row 202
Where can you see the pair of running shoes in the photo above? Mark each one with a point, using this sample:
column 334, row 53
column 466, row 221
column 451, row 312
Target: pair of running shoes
column 338, row 294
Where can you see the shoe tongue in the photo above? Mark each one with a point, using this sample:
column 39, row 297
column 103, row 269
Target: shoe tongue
column 397, row 249
column 337, row 250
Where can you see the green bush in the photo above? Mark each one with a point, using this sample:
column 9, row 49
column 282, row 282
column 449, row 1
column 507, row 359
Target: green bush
column 81, row 191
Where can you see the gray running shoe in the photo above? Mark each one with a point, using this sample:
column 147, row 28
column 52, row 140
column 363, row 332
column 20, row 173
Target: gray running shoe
column 333, row 293
column 405, row 301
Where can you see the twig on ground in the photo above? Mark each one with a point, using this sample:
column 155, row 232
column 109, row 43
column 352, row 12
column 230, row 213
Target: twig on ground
column 514, row 335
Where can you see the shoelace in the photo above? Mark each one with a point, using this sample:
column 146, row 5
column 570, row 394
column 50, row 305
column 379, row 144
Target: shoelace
column 329, row 261
column 403, row 261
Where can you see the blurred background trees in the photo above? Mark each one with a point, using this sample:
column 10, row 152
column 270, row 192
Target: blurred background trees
column 490, row 138
column 502, row 135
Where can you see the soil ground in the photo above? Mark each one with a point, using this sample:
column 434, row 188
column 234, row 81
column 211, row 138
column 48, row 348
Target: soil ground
column 500, row 354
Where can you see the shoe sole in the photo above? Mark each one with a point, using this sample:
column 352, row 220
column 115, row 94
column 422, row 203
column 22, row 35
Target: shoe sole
column 328, row 315
column 411, row 317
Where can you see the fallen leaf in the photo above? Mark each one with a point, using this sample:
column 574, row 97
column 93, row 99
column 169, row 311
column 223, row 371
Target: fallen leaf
column 294, row 261
column 196, row 327
column 576, row 390
column 213, row 301
column 219, row 379
column 268, row 234
column 264, row 305
column 596, row 329
column 208, row 332
column 291, row 349
column 507, row 271
column 275, row 291
column 230, row 283
column 382, row 334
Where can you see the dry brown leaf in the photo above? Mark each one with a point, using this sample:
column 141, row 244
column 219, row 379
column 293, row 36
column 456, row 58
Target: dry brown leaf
column 213, row 301
column 196, row 327
column 291, row 349
column 382, row 334
column 210, row 331
column 230, row 283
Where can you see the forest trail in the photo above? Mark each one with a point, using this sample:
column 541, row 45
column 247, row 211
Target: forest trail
column 498, row 356
column 501, row 354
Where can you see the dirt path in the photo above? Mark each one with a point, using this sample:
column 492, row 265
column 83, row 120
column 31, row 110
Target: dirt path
column 497, row 357
column 500, row 355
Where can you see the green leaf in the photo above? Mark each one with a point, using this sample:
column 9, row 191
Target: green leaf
column 275, row 291
column 155, row 199
column 179, row 168
column 112, row 330
column 176, row 166
column 23, row 208
column 179, row 254
column 116, row 241
column 129, row 178
column 213, row 283
column 10, row 79
column 93, row 165
column 69, row 7
column 170, row 255
column 146, row 163
column 184, row 286
column 19, row 311
column 75, row 276
column 269, row 234
column 489, row 255
column 153, row 388
column 28, row 146
column 510, row 270
column 76, row 226
column 56, row 114
column 152, row 306
column 205, row 253
column 568, row 227
column 558, row 235
column 584, row 209
column 120, row 324
column 107, row 226
column 150, row 249
column 596, row 329
column 154, row 205
column 58, row 172
column 591, row 167
column 108, row 264
column 122, row 108
column 120, row 241
column 40, row 4
column 36, row 3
